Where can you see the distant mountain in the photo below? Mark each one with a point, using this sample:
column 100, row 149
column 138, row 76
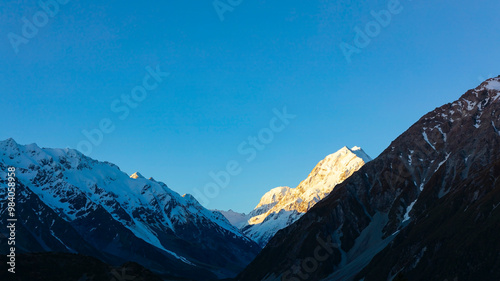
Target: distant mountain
column 282, row 206
column 235, row 218
column 70, row 203
column 425, row 209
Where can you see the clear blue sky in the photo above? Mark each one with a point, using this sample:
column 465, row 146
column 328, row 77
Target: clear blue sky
column 227, row 76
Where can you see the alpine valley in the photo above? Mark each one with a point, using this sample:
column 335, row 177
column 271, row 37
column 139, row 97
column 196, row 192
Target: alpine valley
column 427, row 208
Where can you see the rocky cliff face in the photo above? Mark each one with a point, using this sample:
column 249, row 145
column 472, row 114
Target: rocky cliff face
column 70, row 203
column 282, row 206
column 425, row 209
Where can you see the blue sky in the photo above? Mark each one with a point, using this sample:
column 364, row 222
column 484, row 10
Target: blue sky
column 226, row 77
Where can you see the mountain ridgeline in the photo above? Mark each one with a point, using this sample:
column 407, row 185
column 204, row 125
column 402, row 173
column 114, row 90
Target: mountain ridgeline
column 282, row 206
column 70, row 203
column 425, row 209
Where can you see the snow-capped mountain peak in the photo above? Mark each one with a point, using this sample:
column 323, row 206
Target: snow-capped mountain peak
column 235, row 218
column 281, row 206
column 137, row 175
column 100, row 201
column 361, row 154
column 273, row 196
column 490, row 84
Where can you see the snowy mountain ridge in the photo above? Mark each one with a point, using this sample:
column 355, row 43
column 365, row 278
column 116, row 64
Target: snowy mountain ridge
column 114, row 186
column 234, row 218
column 75, row 187
column 281, row 206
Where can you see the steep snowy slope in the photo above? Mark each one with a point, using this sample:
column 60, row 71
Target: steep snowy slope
column 119, row 218
column 282, row 206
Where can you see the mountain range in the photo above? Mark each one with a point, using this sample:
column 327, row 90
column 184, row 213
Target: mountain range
column 282, row 206
column 425, row 209
column 74, row 204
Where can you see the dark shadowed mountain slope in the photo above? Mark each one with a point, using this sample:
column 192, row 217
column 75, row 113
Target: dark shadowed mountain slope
column 427, row 206
column 69, row 267
column 456, row 237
